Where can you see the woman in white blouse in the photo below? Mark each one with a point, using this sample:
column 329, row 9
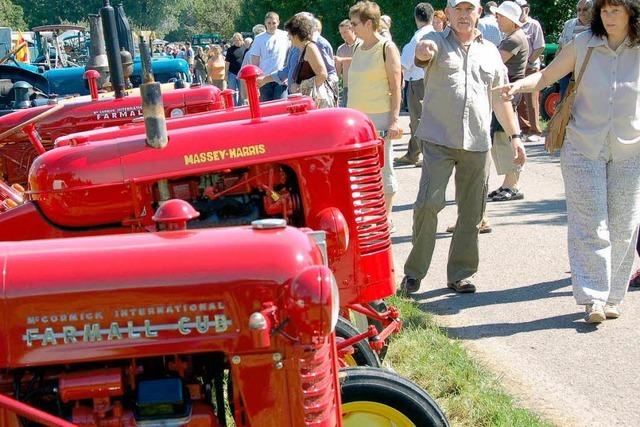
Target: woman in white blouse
column 601, row 154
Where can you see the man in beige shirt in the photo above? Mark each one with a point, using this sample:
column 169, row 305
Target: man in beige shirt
column 460, row 71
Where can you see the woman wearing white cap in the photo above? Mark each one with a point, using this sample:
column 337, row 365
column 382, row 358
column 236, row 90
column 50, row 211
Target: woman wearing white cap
column 601, row 153
column 514, row 50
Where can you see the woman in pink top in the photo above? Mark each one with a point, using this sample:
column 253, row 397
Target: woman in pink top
column 601, row 153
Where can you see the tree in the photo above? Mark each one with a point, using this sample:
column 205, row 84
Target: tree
column 205, row 16
column 12, row 15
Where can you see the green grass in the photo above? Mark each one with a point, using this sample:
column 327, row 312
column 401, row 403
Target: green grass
column 467, row 392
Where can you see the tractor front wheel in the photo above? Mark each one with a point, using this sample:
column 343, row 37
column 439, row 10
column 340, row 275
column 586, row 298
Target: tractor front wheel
column 363, row 354
column 377, row 397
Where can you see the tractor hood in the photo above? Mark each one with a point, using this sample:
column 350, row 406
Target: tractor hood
column 75, row 186
column 138, row 295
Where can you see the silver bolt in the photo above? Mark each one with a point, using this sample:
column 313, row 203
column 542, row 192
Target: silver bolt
column 235, row 360
column 277, row 357
column 279, row 365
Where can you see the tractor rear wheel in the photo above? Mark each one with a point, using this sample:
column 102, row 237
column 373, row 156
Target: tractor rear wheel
column 363, row 354
column 377, row 397
column 549, row 99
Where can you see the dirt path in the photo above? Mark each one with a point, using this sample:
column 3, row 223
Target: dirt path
column 523, row 321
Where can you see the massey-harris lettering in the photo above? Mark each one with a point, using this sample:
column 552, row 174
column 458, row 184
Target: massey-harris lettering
column 93, row 332
column 228, row 153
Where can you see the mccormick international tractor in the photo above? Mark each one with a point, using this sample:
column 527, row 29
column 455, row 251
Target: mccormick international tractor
column 230, row 326
column 318, row 169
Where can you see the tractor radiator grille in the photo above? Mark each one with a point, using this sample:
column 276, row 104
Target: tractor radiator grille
column 317, row 376
column 367, row 193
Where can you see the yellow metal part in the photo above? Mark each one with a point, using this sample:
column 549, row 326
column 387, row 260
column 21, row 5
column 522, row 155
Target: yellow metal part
column 373, row 414
column 350, row 360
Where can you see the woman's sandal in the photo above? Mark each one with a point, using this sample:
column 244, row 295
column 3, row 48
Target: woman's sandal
column 494, row 193
column 508, row 194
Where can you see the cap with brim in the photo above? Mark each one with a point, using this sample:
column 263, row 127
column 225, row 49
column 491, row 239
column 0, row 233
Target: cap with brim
column 509, row 10
column 454, row 3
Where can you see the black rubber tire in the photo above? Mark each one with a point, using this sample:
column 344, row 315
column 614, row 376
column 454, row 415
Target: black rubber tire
column 388, row 388
column 546, row 92
column 363, row 354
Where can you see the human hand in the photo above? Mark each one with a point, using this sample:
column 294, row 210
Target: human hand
column 507, row 91
column 426, row 49
column 394, row 131
column 520, row 156
column 261, row 81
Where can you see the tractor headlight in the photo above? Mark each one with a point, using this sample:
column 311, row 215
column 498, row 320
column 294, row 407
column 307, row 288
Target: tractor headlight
column 314, row 301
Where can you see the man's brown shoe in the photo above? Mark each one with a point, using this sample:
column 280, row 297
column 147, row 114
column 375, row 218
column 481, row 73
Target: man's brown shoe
column 464, row 286
column 403, row 161
column 409, row 285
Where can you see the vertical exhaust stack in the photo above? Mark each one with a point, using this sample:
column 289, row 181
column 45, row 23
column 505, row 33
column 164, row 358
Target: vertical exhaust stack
column 98, row 59
column 153, row 111
column 152, row 106
column 250, row 74
column 113, row 48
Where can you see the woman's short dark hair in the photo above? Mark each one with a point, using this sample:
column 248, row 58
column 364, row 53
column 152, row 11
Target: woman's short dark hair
column 300, row 26
column 633, row 9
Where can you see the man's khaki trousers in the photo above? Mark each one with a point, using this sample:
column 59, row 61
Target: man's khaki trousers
column 471, row 172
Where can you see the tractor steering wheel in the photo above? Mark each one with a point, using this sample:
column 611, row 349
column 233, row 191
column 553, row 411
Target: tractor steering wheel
column 32, row 120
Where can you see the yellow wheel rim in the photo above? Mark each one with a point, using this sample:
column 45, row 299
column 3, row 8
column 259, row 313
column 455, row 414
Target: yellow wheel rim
column 373, row 414
column 349, row 360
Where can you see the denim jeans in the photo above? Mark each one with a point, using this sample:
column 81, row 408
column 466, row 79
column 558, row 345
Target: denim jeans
column 234, row 84
column 272, row 91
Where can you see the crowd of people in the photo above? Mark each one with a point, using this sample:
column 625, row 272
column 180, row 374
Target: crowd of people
column 470, row 77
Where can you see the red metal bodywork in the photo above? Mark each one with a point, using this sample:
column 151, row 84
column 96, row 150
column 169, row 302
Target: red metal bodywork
column 17, row 153
column 107, row 186
column 121, row 301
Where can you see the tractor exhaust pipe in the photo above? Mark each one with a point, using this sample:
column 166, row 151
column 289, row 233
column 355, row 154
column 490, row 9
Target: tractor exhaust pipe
column 250, row 74
column 113, row 48
column 152, row 105
column 98, row 60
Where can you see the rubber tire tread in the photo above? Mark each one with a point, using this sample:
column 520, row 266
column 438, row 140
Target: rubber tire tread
column 544, row 94
column 386, row 387
column 363, row 353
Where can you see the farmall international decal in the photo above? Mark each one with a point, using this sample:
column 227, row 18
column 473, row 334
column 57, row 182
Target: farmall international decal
column 126, row 323
column 118, row 113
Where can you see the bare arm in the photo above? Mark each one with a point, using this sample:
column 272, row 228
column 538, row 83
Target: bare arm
column 255, row 59
column 394, row 76
column 314, row 57
column 507, row 118
column 562, row 65
column 505, row 55
column 536, row 53
column 339, row 69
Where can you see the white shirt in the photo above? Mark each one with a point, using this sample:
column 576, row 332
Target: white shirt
column 272, row 50
column 488, row 26
column 606, row 108
column 411, row 72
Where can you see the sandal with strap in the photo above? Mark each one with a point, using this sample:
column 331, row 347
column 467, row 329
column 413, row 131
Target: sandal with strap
column 494, row 193
column 508, row 194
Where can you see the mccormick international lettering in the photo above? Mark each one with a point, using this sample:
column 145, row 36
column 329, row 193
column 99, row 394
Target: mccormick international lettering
column 227, row 153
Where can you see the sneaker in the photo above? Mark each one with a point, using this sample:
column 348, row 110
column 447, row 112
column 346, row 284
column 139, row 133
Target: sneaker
column 612, row 311
column 464, row 286
column 409, row 285
column 403, row 161
column 533, row 138
column 419, row 164
column 594, row 313
column 634, row 282
column 451, row 229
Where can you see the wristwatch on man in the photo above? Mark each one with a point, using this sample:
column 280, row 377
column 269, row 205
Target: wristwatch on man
column 515, row 135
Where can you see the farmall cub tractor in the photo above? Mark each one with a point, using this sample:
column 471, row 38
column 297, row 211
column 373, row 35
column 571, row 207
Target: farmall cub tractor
column 218, row 327
column 314, row 168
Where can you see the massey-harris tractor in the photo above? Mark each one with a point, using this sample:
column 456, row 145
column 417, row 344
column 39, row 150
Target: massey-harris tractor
column 222, row 327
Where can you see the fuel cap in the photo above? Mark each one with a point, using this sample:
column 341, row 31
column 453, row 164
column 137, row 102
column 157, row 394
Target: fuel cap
column 268, row 223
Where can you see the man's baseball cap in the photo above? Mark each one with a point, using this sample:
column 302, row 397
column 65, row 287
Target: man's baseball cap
column 510, row 10
column 454, row 3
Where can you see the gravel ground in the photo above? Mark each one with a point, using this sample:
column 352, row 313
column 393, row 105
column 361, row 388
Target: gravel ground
column 523, row 322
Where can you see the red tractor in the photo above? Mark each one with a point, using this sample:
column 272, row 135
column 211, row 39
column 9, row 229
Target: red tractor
column 314, row 168
column 228, row 326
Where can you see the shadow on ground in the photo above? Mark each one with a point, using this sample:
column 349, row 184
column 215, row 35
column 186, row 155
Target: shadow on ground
column 544, row 212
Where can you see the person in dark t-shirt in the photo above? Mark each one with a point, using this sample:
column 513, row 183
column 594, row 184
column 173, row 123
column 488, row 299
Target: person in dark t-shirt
column 514, row 50
column 233, row 62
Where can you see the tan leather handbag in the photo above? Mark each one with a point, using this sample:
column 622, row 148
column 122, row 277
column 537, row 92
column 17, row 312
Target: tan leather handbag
column 557, row 126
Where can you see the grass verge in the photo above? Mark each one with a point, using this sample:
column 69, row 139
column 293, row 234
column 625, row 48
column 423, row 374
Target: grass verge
column 466, row 391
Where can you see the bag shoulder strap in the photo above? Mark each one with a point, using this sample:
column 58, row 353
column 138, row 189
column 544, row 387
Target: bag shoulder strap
column 584, row 65
column 384, row 51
